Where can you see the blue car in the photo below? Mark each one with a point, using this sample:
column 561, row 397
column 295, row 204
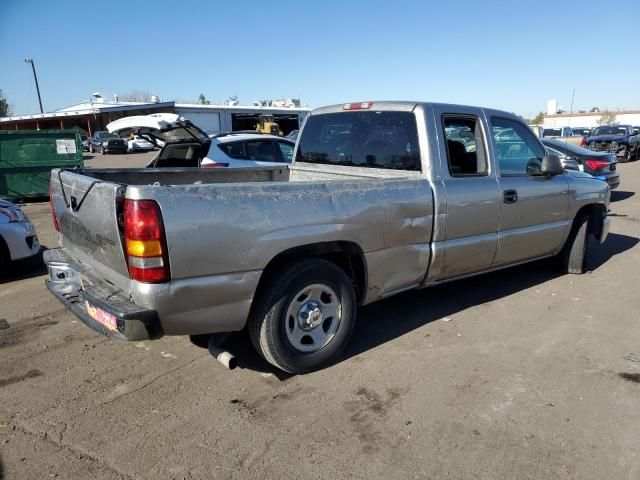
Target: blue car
column 620, row 140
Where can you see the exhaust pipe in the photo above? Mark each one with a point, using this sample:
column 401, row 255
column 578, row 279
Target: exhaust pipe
column 220, row 354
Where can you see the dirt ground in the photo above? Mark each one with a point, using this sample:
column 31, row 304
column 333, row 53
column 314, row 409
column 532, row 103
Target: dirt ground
column 516, row 374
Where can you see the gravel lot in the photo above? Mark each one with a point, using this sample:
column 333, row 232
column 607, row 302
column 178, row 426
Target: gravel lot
column 516, row 374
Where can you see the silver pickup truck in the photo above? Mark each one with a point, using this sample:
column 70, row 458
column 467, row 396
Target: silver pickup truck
column 383, row 197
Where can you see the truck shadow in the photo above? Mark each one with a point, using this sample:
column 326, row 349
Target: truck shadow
column 394, row 317
column 24, row 269
column 617, row 196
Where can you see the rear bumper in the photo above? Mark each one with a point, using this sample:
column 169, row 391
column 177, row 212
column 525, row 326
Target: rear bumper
column 116, row 148
column 114, row 314
column 21, row 239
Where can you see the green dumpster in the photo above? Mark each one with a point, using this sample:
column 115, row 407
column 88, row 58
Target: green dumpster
column 27, row 157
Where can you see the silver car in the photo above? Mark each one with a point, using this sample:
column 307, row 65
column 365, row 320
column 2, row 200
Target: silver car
column 18, row 238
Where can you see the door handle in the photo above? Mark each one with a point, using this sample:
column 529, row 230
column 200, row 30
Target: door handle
column 509, row 196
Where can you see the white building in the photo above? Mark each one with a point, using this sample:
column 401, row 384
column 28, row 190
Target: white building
column 215, row 119
column 588, row 119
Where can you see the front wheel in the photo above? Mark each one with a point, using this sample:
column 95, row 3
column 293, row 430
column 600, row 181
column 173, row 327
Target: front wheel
column 573, row 257
column 304, row 317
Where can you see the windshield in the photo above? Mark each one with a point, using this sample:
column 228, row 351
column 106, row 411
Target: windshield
column 551, row 132
column 609, row 130
column 361, row 139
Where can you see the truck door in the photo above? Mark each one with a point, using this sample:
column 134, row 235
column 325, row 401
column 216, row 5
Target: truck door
column 472, row 192
column 533, row 207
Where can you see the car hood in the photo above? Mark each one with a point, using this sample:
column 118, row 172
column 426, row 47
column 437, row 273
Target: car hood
column 6, row 204
column 608, row 138
column 578, row 174
column 168, row 127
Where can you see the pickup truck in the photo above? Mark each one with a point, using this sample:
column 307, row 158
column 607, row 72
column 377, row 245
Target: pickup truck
column 566, row 134
column 620, row 140
column 378, row 201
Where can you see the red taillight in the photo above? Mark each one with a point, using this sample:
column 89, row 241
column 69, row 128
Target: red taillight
column 583, row 142
column 596, row 164
column 145, row 243
column 209, row 165
column 53, row 211
column 357, row 106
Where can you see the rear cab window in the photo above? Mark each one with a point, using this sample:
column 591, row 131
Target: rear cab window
column 465, row 147
column 374, row 139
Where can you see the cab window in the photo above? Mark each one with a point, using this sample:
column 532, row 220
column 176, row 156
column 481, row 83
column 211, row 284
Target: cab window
column 517, row 150
column 464, row 144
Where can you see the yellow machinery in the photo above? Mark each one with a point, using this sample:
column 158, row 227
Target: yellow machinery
column 266, row 124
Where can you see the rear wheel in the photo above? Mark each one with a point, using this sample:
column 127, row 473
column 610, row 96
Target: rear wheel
column 304, row 318
column 573, row 257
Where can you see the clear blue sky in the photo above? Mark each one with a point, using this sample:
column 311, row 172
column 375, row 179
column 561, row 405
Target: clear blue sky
column 505, row 54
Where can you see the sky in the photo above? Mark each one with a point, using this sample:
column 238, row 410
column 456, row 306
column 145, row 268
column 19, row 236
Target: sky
column 502, row 54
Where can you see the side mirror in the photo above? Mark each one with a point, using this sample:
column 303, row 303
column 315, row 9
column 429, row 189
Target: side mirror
column 551, row 165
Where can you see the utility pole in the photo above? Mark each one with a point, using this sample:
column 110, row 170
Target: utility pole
column 35, row 77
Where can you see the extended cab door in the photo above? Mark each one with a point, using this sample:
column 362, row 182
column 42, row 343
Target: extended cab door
column 533, row 207
column 472, row 191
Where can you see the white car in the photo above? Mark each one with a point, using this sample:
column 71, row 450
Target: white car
column 248, row 150
column 139, row 144
column 186, row 145
column 18, row 238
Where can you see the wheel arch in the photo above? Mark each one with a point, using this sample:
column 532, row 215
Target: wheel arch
column 346, row 255
column 595, row 211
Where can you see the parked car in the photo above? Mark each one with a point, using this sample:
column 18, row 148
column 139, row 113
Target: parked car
column 378, row 201
column 582, row 131
column 139, row 144
column 566, row 134
column 84, row 141
column 293, row 135
column 18, row 238
column 617, row 139
column 106, row 142
column 601, row 165
column 233, row 149
column 537, row 129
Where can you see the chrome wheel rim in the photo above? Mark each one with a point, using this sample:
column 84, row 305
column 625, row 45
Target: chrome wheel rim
column 313, row 318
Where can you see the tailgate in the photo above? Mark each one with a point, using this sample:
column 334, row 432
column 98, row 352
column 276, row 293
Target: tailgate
column 87, row 210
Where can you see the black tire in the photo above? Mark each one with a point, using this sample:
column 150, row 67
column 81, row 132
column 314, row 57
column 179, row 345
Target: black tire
column 573, row 256
column 267, row 321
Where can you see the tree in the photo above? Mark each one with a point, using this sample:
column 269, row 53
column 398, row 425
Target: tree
column 202, row 100
column 538, row 119
column 594, row 109
column 607, row 118
column 266, row 103
column 136, row 96
column 5, row 109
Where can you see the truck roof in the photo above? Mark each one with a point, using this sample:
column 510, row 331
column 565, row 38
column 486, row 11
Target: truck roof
column 406, row 106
